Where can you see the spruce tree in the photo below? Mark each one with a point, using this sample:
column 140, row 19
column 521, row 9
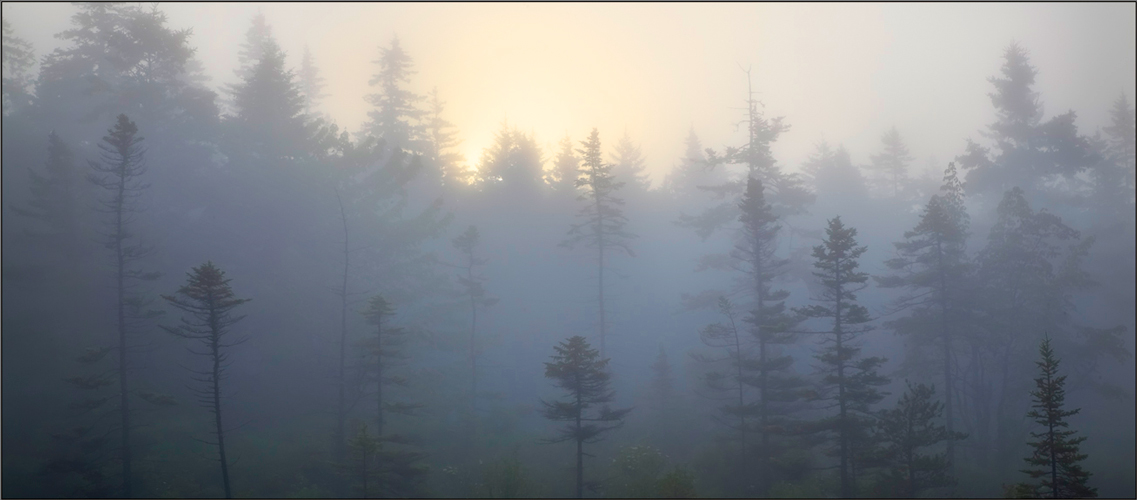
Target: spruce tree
column 442, row 139
column 603, row 221
column 566, row 168
column 270, row 119
column 387, row 348
column 396, row 114
column 311, row 83
column 209, row 301
column 1057, row 454
column 55, row 196
column 472, row 283
column 891, row 164
column 253, row 48
column 628, row 163
column 907, row 429
column 931, row 264
column 850, row 382
column 691, row 172
column 18, row 61
column 118, row 171
column 725, row 382
column 583, row 374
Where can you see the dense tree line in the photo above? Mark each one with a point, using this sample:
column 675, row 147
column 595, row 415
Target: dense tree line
column 374, row 368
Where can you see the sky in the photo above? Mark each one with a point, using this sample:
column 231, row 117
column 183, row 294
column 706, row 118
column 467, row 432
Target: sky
column 843, row 73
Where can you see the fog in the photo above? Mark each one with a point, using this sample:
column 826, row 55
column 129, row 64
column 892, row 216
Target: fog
column 770, row 237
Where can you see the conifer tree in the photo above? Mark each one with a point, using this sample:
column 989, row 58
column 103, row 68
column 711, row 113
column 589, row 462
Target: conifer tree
column 851, row 383
column 566, row 168
column 512, row 167
column 209, row 301
column 726, row 383
column 603, row 221
column 442, row 139
column 396, row 114
column 931, row 263
column 55, row 199
column 253, row 48
column 311, row 83
column 891, row 164
column 472, row 284
column 692, row 171
column 769, row 371
column 18, row 61
column 583, row 374
column 270, row 109
column 907, row 429
column 386, row 348
column 1057, row 454
column 628, row 163
column 118, row 171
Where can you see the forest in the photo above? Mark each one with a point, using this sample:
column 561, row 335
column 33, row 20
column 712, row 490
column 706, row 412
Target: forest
column 213, row 288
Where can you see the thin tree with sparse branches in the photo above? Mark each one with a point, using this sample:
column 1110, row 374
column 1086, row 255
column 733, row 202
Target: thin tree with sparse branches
column 208, row 299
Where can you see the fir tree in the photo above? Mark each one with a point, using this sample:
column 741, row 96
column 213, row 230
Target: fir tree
column 269, row 109
column 931, row 263
column 891, row 164
column 566, row 168
column 603, row 222
column 18, row 60
column 118, row 171
column 1056, row 453
column 441, row 141
column 692, row 171
column 905, row 430
column 628, row 163
column 726, row 383
column 257, row 39
column 209, row 301
column 55, row 196
column 472, row 283
column 386, row 348
column 512, row 166
column 311, row 83
column 851, row 383
column 396, row 110
column 579, row 370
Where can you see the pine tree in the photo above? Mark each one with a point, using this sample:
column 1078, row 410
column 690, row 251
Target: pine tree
column 891, row 164
column 311, row 83
column 579, row 370
column 628, row 163
column 396, row 113
column 441, row 141
column 566, row 168
column 1027, row 152
column 931, row 263
column 19, row 57
column 118, row 171
column 473, row 286
column 851, row 382
column 603, row 222
column 386, row 348
column 908, row 428
column 769, row 371
column 270, row 109
column 257, row 39
column 1056, row 453
column 209, row 301
column 55, row 196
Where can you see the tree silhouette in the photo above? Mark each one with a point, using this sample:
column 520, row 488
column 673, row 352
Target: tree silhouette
column 851, row 383
column 118, row 170
column 908, row 428
column 209, row 300
column 1056, row 454
column 578, row 369
column 603, row 221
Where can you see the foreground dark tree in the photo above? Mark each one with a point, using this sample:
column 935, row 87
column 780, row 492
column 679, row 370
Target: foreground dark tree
column 118, row 171
column 904, row 432
column 603, row 221
column 1056, row 457
column 850, row 383
column 208, row 299
column 931, row 264
column 578, row 369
